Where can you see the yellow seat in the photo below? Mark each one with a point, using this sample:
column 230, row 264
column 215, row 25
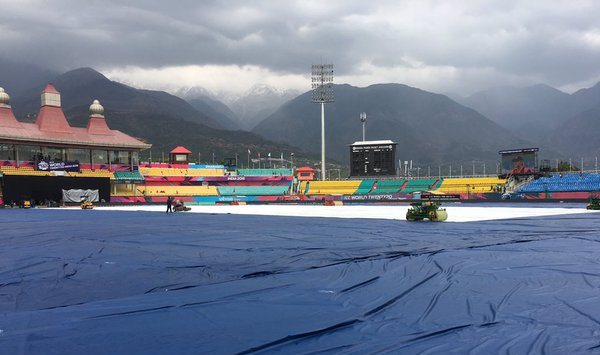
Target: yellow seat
column 470, row 185
column 331, row 187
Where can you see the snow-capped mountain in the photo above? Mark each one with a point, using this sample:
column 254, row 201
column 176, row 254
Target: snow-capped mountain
column 259, row 102
column 249, row 109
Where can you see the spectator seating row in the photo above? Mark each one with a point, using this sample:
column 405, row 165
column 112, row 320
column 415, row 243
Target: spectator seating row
column 348, row 187
column 564, row 183
column 264, row 172
column 253, row 190
column 197, row 190
column 365, row 187
column 92, row 173
column 24, row 170
column 418, row 185
column 388, row 186
column 128, row 176
column 471, row 185
column 181, row 172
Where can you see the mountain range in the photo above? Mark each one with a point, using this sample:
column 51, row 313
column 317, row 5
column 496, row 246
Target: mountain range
column 156, row 117
column 247, row 110
column 429, row 128
column 547, row 117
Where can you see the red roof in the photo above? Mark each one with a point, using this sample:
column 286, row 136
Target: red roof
column 51, row 89
column 7, row 118
column 51, row 118
column 180, row 150
column 306, row 169
column 51, row 126
column 77, row 136
column 98, row 125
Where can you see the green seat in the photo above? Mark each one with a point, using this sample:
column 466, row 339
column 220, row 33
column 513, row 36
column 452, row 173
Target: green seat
column 365, row 187
column 388, row 186
column 264, row 172
column 418, row 185
column 128, row 175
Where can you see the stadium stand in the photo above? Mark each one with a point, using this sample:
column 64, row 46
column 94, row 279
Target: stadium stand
column 253, row 190
column 365, row 187
column 264, row 172
column 471, row 185
column 418, row 185
column 161, row 172
column 128, row 176
column 332, row 187
column 92, row 173
column 564, row 182
column 388, row 186
column 24, row 171
column 198, row 190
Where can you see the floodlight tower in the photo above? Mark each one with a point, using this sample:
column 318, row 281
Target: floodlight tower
column 363, row 119
column 322, row 86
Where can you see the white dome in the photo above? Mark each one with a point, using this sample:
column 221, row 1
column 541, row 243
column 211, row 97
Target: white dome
column 96, row 108
column 4, row 98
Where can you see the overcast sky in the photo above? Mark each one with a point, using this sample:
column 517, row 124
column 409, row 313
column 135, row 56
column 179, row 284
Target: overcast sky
column 442, row 46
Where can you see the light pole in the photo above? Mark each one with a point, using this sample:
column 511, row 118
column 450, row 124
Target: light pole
column 292, row 162
column 363, row 119
column 322, row 85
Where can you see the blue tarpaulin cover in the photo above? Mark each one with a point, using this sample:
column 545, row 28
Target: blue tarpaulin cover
column 110, row 282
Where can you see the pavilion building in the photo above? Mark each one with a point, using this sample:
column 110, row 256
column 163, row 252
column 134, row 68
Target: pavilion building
column 49, row 153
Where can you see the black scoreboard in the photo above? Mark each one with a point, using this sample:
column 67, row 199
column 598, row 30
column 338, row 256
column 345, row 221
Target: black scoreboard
column 373, row 158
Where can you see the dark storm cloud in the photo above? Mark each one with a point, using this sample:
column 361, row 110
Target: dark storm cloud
column 557, row 42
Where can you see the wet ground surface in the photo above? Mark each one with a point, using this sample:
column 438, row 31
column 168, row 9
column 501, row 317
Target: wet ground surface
column 99, row 282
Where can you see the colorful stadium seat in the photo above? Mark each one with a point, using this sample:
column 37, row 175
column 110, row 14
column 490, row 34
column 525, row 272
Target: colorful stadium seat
column 128, row 176
column 333, row 187
column 471, row 185
column 198, row 190
column 160, row 172
column 253, row 190
column 388, row 186
column 264, row 172
column 418, row 185
column 365, row 187
column 564, row 183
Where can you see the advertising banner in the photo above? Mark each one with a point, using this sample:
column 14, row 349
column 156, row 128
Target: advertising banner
column 45, row 165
